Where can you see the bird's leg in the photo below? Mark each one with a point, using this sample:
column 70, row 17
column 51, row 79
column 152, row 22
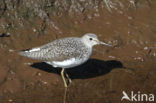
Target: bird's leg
column 68, row 77
column 65, row 95
column 62, row 74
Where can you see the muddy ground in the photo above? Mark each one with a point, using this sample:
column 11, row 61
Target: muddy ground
column 130, row 25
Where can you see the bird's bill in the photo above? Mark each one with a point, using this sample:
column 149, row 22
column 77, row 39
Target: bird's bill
column 100, row 42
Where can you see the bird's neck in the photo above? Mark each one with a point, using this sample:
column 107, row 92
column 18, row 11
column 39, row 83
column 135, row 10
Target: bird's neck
column 87, row 44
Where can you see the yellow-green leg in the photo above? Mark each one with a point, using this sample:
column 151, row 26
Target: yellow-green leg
column 62, row 74
column 68, row 78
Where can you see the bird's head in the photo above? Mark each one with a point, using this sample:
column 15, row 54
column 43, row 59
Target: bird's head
column 91, row 39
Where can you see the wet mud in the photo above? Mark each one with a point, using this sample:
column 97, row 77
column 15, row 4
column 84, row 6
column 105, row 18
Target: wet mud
column 131, row 66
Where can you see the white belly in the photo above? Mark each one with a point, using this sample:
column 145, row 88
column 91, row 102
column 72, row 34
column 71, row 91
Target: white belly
column 68, row 63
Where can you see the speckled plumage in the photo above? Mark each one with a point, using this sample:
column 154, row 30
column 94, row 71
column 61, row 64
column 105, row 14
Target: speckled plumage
column 61, row 50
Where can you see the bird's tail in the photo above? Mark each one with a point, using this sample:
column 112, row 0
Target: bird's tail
column 22, row 53
column 31, row 53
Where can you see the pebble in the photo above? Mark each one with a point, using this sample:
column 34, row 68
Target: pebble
column 111, row 56
column 145, row 48
column 4, row 34
column 10, row 100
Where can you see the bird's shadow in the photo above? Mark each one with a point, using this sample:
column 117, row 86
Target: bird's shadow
column 91, row 68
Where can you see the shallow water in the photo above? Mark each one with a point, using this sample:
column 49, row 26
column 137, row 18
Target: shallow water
column 130, row 66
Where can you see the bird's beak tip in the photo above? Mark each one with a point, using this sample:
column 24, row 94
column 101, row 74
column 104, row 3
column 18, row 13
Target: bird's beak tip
column 105, row 44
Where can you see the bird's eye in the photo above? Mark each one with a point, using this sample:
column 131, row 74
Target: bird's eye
column 90, row 38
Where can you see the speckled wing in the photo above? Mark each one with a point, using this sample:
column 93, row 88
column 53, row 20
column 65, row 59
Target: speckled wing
column 63, row 49
column 58, row 50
